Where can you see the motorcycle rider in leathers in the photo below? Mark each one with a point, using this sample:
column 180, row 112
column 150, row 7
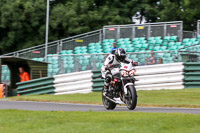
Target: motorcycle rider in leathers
column 113, row 60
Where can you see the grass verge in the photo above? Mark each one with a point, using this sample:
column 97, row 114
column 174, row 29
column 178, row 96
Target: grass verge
column 188, row 98
column 17, row 121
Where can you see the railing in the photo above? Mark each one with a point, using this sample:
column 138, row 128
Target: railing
column 190, row 53
column 59, row 45
column 81, row 62
column 153, row 77
column 114, row 31
column 189, row 34
column 144, row 30
column 81, row 40
column 36, row 86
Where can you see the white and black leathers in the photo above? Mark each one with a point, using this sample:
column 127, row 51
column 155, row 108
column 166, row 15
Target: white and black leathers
column 112, row 61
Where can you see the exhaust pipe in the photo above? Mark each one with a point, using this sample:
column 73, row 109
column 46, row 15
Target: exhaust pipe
column 109, row 98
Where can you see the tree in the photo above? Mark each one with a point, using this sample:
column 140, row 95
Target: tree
column 22, row 22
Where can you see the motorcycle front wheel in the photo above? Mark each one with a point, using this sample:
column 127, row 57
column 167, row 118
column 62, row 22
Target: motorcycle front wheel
column 131, row 100
column 109, row 105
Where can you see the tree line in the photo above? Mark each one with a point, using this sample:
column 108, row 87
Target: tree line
column 22, row 22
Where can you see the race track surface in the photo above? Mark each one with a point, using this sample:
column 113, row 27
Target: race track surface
column 50, row 106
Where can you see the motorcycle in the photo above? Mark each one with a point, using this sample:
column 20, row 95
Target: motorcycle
column 121, row 88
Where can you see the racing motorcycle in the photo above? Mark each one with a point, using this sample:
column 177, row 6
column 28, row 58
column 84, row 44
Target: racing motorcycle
column 121, row 88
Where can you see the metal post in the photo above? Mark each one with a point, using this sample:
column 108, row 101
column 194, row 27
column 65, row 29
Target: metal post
column 149, row 31
column 47, row 29
column 100, row 35
column 165, row 30
column 60, row 45
column 133, row 32
column 181, row 31
column 198, row 27
column 118, row 32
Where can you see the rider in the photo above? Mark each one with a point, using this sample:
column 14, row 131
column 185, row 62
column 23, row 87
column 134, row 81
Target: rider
column 112, row 60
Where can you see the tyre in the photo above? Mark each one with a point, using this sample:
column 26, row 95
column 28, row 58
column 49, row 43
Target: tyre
column 109, row 105
column 131, row 100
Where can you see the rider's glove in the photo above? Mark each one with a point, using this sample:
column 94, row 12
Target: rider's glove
column 135, row 63
column 108, row 66
column 105, row 67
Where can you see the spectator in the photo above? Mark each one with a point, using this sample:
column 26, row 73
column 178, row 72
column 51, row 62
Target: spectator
column 112, row 51
column 24, row 76
column 151, row 60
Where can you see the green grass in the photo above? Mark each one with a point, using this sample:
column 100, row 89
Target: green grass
column 17, row 121
column 157, row 98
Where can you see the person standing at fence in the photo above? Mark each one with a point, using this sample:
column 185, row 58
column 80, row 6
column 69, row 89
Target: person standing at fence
column 24, row 76
column 151, row 60
column 112, row 51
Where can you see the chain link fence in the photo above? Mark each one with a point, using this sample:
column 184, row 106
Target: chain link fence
column 144, row 30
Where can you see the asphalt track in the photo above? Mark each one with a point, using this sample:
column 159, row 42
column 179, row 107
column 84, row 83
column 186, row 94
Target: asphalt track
column 51, row 106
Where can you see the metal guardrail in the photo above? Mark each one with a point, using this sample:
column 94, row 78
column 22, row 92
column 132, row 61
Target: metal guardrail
column 36, row 86
column 56, row 47
column 189, row 34
column 81, row 62
column 147, row 30
column 189, row 54
column 114, row 31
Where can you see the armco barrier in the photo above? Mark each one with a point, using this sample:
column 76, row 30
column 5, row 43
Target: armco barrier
column 191, row 66
column 159, row 78
column 152, row 77
column 72, row 86
column 176, row 85
column 78, row 82
column 98, row 83
column 36, row 86
column 159, row 69
column 71, row 77
column 192, row 75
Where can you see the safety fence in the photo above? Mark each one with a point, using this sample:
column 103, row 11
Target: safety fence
column 80, row 82
column 189, row 34
column 60, row 64
column 36, row 86
column 114, row 32
column 161, row 76
column 147, row 30
column 109, row 32
column 56, row 47
column 189, row 54
column 152, row 77
column 192, row 74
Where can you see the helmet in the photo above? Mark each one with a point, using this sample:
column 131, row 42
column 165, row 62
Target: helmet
column 120, row 54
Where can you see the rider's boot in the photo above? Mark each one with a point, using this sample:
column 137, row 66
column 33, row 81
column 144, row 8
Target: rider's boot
column 106, row 88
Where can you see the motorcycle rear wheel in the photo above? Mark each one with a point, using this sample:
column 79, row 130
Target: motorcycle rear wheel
column 109, row 105
column 131, row 101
